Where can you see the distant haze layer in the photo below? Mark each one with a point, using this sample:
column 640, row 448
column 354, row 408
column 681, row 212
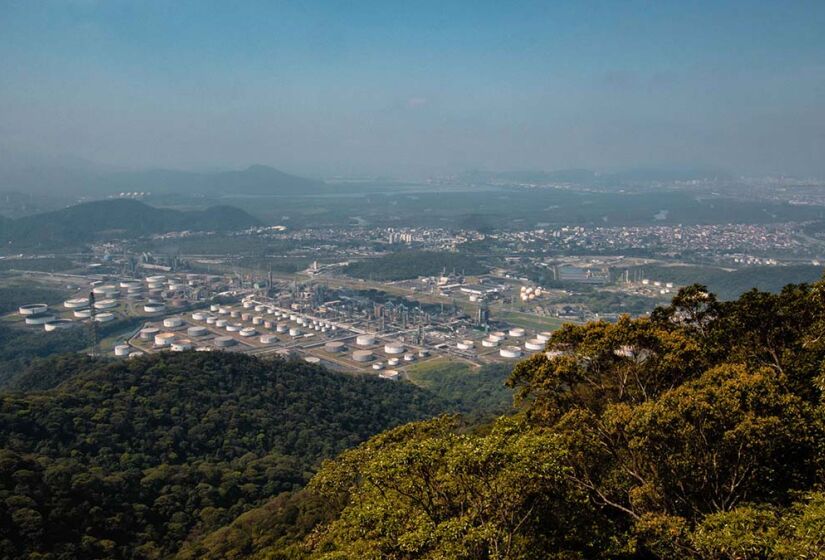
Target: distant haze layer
column 426, row 87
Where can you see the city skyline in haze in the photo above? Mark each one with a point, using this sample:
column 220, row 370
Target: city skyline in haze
column 323, row 88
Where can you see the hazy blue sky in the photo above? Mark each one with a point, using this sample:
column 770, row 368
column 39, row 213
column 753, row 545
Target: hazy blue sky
column 403, row 87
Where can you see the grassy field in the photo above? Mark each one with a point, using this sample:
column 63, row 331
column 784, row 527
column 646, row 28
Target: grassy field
column 529, row 321
column 425, row 374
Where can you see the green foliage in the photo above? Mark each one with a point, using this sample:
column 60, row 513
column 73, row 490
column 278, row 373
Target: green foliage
column 404, row 265
column 132, row 458
column 473, row 391
column 428, row 491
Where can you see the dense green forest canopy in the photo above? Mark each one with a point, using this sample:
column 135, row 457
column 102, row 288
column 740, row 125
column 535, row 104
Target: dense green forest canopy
column 696, row 433
column 130, row 459
column 404, row 265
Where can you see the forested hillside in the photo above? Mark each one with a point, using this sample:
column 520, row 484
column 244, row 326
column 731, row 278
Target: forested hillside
column 404, row 265
column 696, row 433
column 104, row 219
column 132, row 458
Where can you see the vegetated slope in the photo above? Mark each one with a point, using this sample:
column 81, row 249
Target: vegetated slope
column 696, row 433
column 130, row 459
column 118, row 218
column 22, row 348
column 404, row 265
column 729, row 285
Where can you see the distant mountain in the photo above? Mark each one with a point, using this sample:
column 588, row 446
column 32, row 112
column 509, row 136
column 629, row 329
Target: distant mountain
column 116, row 218
column 52, row 177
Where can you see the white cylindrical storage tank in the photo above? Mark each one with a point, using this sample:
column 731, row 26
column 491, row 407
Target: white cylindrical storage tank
column 488, row 343
column 510, row 352
column 40, row 318
column 148, row 333
column 267, row 324
column 394, row 348
column 77, row 303
column 378, row 366
column 281, row 328
column 249, row 331
column 257, row 320
column 199, row 316
column 106, row 304
column 104, row 317
column 58, row 325
column 544, row 336
column 154, row 307
column 235, row 314
column 223, row 311
column 517, row 332
column 33, row 309
column 164, row 339
column 246, row 316
column 130, row 284
column 409, row 357
column 268, row 339
column 172, row 322
column 495, row 337
column 181, row 345
column 423, row 353
column 365, row 340
column 211, row 320
column 390, row 374
column 259, row 308
column 122, row 350
column 534, row 344
column 196, row 331
column 294, row 332
column 224, row 342
column 334, row 346
column 214, row 308
column 248, row 304
column 221, row 323
column 362, row 356
column 392, row 362
column 312, row 360
column 233, row 327
column 82, row 313
column 107, row 290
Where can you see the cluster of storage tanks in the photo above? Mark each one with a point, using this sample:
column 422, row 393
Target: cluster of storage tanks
column 509, row 343
column 528, row 293
column 41, row 314
column 396, row 352
column 107, row 298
